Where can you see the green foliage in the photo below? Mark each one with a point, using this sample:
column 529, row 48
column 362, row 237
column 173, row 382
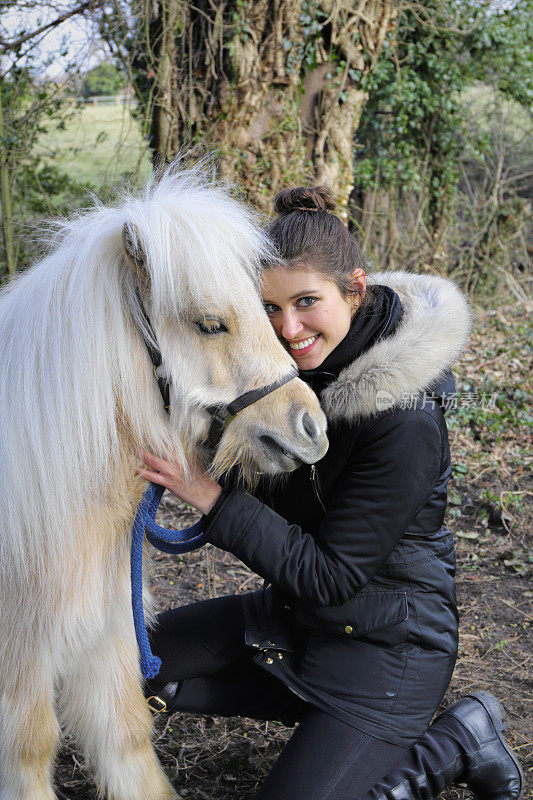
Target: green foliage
column 412, row 132
column 500, row 52
column 302, row 52
column 29, row 104
column 24, row 108
column 105, row 79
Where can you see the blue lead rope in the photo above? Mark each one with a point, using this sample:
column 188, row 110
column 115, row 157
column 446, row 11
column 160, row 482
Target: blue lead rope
column 166, row 540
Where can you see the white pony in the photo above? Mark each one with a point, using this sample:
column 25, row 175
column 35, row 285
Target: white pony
column 78, row 398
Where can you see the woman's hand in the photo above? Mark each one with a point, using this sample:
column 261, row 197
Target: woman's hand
column 199, row 489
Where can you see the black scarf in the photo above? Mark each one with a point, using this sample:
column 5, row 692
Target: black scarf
column 375, row 320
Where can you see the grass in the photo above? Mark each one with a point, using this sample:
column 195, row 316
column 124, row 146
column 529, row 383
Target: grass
column 97, row 145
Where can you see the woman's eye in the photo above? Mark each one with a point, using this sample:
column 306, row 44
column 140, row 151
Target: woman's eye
column 270, row 308
column 307, row 301
column 210, row 327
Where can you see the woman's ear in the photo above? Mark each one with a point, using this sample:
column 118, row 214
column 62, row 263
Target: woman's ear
column 358, row 281
column 357, row 288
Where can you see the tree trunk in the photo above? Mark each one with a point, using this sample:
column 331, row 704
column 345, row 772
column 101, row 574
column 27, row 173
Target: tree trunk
column 273, row 83
column 163, row 25
column 7, row 199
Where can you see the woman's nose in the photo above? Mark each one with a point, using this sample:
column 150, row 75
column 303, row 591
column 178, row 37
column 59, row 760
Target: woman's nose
column 290, row 325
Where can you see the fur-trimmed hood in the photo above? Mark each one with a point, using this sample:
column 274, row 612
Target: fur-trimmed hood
column 430, row 337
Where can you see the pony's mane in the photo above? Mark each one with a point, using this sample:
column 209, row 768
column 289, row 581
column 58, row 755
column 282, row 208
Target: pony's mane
column 70, row 354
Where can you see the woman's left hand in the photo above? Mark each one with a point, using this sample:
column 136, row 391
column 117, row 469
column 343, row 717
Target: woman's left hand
column 198, row 489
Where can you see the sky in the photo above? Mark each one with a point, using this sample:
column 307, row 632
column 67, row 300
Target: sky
column 75, row 37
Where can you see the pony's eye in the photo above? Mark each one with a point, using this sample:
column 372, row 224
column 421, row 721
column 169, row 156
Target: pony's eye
column 211, row 326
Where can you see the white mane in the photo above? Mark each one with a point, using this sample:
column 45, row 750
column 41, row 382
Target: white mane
column 70, row 355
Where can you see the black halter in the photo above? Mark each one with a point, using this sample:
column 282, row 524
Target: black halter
column 221, row 414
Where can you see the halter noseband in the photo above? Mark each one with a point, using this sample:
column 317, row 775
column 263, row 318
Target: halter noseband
column 221, row 414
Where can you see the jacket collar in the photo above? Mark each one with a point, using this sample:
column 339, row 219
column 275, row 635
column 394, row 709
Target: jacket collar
column 429, row 338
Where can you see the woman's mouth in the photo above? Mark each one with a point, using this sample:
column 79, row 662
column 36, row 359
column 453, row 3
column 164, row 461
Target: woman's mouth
column 303, row 346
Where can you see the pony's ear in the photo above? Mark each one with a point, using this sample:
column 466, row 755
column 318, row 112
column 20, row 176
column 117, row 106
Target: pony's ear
column 134, row 250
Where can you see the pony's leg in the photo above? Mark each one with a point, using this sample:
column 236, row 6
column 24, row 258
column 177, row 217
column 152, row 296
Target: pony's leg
column 102, row 700
column 29, row 734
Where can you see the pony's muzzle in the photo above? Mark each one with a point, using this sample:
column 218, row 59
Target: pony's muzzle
column 306, row 444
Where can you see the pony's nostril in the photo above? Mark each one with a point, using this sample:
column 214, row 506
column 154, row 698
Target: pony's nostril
column 310, row 426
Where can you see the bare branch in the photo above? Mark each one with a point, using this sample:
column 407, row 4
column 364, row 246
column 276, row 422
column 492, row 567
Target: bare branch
column 16, row 43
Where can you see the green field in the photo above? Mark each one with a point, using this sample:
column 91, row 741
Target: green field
column 97, row 145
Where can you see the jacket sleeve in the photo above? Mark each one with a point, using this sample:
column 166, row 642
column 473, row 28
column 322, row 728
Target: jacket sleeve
column 390, row 476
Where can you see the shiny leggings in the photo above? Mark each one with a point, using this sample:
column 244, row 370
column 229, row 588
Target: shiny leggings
column 202, row 647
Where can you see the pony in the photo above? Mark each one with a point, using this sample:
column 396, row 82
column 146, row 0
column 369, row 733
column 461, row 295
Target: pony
column 78, row 400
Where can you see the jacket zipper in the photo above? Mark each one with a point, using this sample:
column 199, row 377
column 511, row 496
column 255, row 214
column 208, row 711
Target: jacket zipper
column 316, row 486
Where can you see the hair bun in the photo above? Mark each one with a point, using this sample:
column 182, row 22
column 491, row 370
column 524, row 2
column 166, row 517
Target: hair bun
column 311, row 198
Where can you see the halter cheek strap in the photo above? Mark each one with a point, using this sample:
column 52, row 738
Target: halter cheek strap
column 155, row 354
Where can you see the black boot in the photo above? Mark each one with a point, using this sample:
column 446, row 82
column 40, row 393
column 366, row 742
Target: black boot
column 463, row 745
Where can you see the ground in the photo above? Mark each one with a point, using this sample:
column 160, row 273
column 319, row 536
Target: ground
column 218, row 759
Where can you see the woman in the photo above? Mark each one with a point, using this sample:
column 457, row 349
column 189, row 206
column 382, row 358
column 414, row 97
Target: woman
column 355, row 635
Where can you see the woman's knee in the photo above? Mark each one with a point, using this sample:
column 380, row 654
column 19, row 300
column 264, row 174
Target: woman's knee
column 199, row 639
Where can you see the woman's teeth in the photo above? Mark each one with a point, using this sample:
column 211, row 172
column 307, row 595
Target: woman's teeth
column 304, row 343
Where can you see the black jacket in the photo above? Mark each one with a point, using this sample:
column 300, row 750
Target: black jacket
column 360, row 615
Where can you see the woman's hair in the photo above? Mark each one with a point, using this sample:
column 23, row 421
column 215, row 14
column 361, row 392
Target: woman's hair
column 307, row 236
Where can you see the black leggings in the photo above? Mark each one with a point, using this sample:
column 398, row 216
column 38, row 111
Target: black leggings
column 202, row 646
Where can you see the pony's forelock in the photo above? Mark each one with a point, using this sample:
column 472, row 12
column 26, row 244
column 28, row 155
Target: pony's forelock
column 198, row 239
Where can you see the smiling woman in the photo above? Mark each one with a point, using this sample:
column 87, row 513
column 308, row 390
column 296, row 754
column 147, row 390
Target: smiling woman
column 355, row 634
column 308, row 312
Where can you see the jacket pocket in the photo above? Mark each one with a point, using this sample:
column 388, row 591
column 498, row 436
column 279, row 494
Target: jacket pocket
column 370, row 610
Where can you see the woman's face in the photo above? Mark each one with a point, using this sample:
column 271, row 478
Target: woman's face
column 308, row 312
